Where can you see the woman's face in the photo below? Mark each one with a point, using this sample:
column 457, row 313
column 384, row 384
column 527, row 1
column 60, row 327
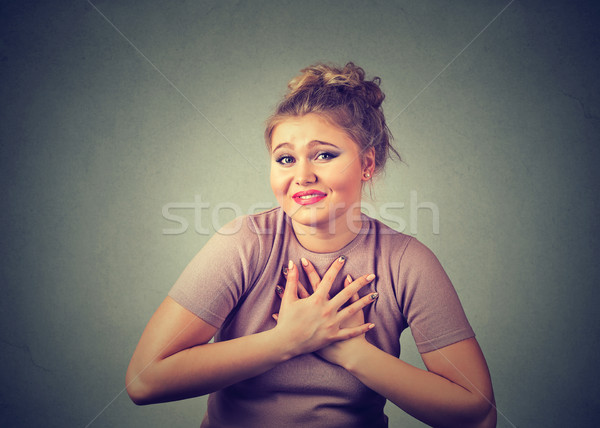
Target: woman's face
column 316, row 171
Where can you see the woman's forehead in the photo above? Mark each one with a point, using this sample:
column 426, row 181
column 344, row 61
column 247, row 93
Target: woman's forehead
column 308, row 129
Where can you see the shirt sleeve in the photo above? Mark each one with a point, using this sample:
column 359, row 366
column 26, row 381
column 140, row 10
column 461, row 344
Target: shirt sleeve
column 221, row 273
column 429, row 302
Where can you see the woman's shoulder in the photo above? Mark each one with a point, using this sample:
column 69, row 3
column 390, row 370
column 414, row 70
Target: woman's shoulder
column 252, row 225
column 248, row 238
column 267, row 222
column 385, row 235
column 405, row 247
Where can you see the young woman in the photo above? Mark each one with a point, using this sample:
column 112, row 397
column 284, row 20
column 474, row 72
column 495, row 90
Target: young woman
column 306, row 302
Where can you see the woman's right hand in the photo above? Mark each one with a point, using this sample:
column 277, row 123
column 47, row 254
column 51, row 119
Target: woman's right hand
column 311, row 323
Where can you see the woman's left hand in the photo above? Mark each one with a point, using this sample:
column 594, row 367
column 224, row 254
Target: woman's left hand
column 337, row 351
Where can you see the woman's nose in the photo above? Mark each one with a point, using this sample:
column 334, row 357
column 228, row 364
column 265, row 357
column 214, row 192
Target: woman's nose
column 304, row 173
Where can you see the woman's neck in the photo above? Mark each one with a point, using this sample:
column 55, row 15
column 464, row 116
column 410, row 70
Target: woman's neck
column 330, row 237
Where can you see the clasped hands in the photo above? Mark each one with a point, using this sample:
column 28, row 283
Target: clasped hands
column 318, row 322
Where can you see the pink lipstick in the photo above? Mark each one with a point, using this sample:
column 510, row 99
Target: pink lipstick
column 308, row 197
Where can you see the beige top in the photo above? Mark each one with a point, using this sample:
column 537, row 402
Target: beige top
column 231, row 285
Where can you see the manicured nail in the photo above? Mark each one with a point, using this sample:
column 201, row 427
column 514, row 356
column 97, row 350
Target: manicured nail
column 342, row 259
column 371, row 277
column 290, row 265
column 374, row 296
column 304, row 262
column 348, row 278
column 284, row 271
column 279, row 289
column 371, row 326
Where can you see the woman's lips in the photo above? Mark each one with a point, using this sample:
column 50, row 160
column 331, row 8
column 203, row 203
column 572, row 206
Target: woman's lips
column 308, row 197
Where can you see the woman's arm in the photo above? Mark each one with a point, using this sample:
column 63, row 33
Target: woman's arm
column 174, row 360
column 454, row 391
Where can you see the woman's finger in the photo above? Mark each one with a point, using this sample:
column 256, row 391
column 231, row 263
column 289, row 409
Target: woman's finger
column 313, row 276
column 343, row 296
column 302, row 293
column 350, row 332
column 290, row 293
column 329, row 277
column 358, row 305
column 347, row 282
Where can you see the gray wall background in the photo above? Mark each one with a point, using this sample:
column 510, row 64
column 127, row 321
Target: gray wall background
column 95, row 141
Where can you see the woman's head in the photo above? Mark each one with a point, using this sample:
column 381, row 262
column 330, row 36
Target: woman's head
column 343, row 97
column 327, row 138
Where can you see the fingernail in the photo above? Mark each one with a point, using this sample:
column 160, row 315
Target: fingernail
column 342, row 259
column 349, row 278
column 290, row 265
column 371, row 277
column 278, row 289
column 304, row 262
column 374, row 296
column 284, row 270
column 371, row 326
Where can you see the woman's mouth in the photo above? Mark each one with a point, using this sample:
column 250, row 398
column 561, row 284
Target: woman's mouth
column 308, row 197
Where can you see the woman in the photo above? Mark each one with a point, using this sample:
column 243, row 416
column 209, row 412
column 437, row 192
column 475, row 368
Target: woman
column 323, row 351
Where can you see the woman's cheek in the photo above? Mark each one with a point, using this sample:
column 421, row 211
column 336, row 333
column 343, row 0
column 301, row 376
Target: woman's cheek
column 349, row 189
column 342, row 183
column 278, row 190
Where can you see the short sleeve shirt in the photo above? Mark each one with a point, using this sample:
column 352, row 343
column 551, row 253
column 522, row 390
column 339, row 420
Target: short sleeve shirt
column 231, row 283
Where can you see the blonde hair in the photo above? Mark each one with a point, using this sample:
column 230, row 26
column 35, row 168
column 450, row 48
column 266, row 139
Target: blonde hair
column 345, row 98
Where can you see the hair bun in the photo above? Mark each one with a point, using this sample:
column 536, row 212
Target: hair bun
column 350, row 79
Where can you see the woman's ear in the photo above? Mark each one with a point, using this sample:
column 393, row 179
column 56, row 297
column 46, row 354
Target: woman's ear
column 368, row 163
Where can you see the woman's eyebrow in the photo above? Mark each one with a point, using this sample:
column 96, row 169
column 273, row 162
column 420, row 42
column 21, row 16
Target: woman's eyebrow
column 279, row 146
column 310, row 145
column 319, row 142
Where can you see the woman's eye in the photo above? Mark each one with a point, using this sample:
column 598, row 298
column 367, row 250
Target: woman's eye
column 325, row 156
column 285, row 160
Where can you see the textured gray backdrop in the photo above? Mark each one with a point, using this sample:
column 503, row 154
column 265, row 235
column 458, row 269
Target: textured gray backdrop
column 108, row 120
